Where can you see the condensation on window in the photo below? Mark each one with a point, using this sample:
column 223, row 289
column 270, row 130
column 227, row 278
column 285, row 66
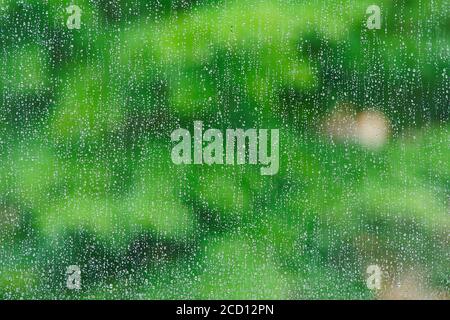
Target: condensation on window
column 221, row 149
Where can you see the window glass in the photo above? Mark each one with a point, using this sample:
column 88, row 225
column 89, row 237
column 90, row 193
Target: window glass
column 220, row 149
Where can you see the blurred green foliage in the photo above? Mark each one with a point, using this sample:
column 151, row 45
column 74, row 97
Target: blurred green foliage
column 86, row 176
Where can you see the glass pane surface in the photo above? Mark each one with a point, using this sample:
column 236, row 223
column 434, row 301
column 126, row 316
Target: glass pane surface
column 220, row 149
